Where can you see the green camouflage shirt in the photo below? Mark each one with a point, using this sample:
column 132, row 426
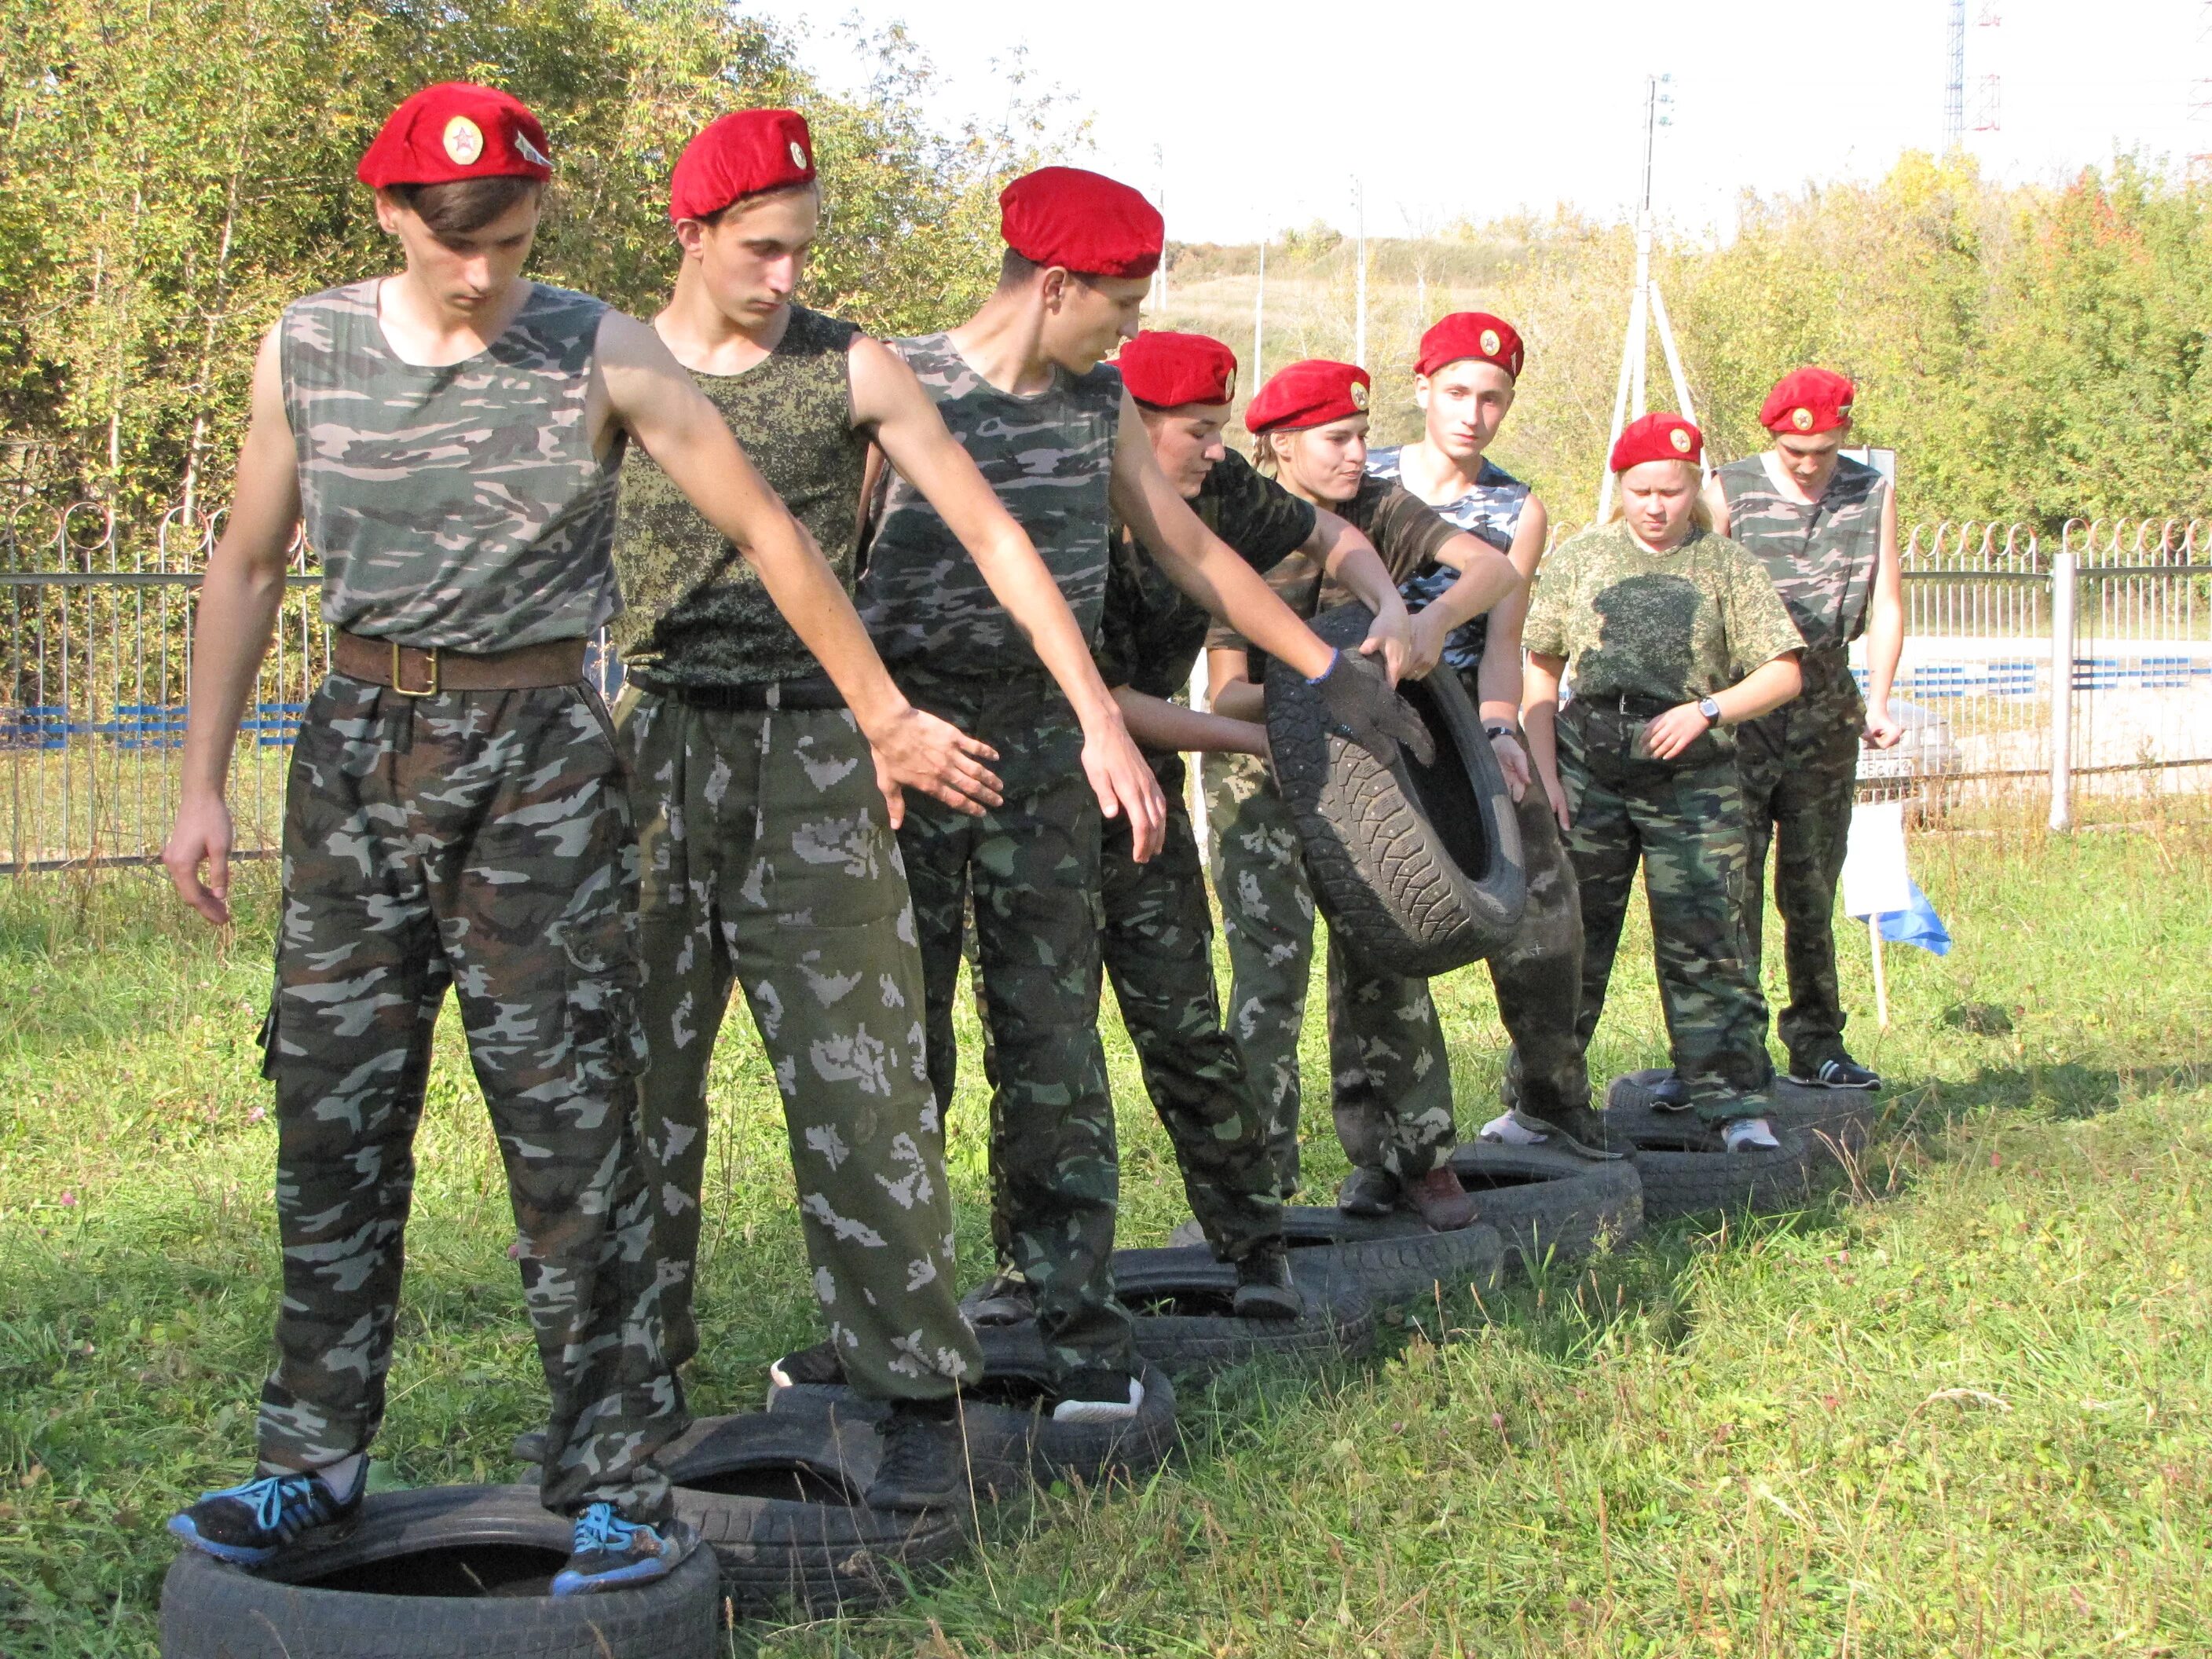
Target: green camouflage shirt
column 1673, row 627
column 460, row 508
column 1151, row 632
column 1822, row 557
column 793, row 412
column 1405, row 529
column 1050, row 458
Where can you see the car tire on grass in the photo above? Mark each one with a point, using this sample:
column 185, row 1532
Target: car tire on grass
column 1837, row 1124
column 1684, row 1171
column 1011, row 1437
column 446, row 1572
column 1547, row 1206
column 1417, row 867
column 1180, row 1300
column 778, row 1499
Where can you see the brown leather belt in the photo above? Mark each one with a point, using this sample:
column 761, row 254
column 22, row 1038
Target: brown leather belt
column 414, row 672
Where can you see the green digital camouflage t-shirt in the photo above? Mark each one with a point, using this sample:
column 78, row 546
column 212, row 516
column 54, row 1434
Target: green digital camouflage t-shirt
column 1151, row 632
column 1822, row 557
column 1672, row 627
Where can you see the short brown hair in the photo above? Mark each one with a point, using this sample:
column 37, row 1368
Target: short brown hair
column 465, row 206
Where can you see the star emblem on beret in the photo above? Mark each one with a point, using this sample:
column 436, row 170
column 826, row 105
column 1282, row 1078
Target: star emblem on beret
column 1679, row 437
column 798, row 155
column 463, row 141
column 1490, row 342
column 1801, row 419
column 1359, row 395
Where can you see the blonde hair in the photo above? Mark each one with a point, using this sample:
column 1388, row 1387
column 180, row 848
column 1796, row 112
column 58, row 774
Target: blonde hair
column 1701, row 516
column 1265, row 460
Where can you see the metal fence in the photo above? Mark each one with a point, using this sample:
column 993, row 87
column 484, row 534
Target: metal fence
column 98, row 663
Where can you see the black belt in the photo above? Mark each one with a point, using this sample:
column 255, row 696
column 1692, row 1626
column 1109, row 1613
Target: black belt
column 814, row 694
column 1641, row 708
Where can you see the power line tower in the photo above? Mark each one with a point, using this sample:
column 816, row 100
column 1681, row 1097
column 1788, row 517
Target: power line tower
column 2200, row 92
column 1989, row 91
column 1954, row 84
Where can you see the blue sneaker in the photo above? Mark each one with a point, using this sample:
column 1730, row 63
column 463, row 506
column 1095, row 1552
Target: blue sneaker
column 253, row 1522
column 611, row 1552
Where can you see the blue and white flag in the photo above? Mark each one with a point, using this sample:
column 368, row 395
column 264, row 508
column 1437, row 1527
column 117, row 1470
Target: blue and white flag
column 1917, row 924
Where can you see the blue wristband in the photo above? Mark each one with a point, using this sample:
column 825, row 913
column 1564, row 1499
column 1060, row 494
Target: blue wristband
column 1315, row 679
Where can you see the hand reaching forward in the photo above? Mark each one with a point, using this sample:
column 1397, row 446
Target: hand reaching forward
column 917, row 750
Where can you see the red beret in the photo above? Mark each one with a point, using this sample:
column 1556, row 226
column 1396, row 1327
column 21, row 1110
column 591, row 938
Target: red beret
column 1471, row 334
column 1808, row 400
column 456, row 130
column 741, row 154
column 1167, row 370
column 1081, row 221
column 1656, row 437
column 1309, row 393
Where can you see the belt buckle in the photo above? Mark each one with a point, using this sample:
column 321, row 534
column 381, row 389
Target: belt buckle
column 431, row 690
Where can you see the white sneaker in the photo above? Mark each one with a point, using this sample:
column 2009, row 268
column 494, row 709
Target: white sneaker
column 1100, row 1411
column 1748, row 1135
column 1507, row 1130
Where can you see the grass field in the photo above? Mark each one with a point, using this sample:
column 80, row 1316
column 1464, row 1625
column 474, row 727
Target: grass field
column 1965, row 1413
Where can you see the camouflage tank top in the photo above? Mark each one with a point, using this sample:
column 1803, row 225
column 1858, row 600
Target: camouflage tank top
column 1050, row 458
column 1821, row 557
column 458, row 508
column 793, row 411
column 1491, row 511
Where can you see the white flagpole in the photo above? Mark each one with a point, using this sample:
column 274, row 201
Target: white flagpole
column 1880, row 980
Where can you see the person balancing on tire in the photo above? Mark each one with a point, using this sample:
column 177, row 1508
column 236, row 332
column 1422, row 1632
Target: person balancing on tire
column 1825, row 526
column 1157, row 942
column 1388, row 1063
column 456, row 818
column 770, row 859
column 1464, row 381
column 1673, row 636
column 1022, row 386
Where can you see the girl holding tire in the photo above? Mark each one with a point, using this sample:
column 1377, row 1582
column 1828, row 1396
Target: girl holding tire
column 1672, row 634
column 1392, row 1078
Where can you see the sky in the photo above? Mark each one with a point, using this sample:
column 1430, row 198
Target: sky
column 1248, row 120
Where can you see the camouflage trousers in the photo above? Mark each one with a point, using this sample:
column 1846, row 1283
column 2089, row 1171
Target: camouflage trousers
column 1158, row 950
column 1033, row 863
column 1389, row 1074
column 1684, row 824
column 1537, row 977
column 480, row 842
column 770, row 865
column 1800, row 769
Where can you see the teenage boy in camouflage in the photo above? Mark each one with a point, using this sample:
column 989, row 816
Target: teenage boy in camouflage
column 1464, row 381
column 770, row 859
column 456, row 816
column 1390, row 1075
column 1825, row 526
column 1158, row 937
column 1022, row 386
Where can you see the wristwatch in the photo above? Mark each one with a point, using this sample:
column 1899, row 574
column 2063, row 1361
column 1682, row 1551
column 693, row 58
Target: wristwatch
column 1498, row 729
column 1710, row 710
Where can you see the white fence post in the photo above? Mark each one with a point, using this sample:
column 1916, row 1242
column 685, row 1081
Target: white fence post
column 2065, row 588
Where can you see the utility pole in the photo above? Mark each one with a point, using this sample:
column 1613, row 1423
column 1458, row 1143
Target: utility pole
column 1159, row 297
column 1954, row 84
column 1260, row 318
column 1989, row 91
column 1360, row 235
column 1645, row 304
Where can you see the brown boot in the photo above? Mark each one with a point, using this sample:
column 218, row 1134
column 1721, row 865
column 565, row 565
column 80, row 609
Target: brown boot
column 1439, row 1200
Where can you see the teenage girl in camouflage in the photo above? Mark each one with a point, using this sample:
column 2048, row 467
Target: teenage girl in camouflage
column 1672, row 634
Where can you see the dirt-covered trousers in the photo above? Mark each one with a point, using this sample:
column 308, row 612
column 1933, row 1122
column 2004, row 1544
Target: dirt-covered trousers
column 769, row 866
column 1685, row 824
column 1800, row 767
column 479, row 841
column 1390, row 1072
column 1159, row 947
column 1033, row 866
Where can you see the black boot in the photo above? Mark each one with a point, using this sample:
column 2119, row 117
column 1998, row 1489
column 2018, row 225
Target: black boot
column 921, row 1467
column 1264, row 1289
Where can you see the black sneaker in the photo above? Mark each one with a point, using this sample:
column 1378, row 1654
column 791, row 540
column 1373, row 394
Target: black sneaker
column 1576, row 1128
column 612, row 1553
column 1670, row 1094
column 1841, row 1072
column 817, row 1365
column 1368, row 1192
column 255, row 1522
column 921, row 1467
column 529, row 1447
column 1264, row 1289
column 1094, row 1394
column 1008, row 1299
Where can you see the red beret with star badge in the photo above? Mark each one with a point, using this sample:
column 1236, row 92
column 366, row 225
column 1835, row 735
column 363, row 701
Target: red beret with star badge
column 1473, row 335
column 744, row 152
column 455, row 131
column 1659, row 436
column 1313, row 393
column 1165, row 370
column 1808, row 400
column 1082, row 221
